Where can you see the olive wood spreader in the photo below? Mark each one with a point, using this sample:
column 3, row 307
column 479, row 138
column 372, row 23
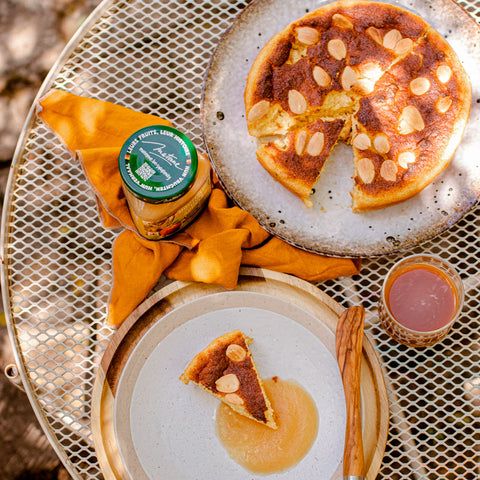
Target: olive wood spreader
column 348, row 346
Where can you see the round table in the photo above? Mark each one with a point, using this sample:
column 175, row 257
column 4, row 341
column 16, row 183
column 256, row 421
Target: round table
column 152, row 55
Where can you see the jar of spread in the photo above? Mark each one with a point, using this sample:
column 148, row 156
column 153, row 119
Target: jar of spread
column 165, row 182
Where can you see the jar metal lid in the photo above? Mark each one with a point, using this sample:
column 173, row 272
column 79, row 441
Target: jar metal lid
column 158, row 164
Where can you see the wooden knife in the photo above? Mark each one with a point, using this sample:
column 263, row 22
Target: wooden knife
column 348, row 345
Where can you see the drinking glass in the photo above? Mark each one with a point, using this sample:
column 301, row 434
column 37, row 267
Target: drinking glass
column 423, row 300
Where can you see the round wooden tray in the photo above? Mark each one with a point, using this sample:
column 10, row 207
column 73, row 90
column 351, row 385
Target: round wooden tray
column 179, row 295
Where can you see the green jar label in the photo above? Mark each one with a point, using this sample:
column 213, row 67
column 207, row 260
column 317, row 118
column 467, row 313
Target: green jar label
column 158, row 164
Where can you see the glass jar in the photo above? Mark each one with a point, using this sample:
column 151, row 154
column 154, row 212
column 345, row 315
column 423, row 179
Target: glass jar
column 165, row 182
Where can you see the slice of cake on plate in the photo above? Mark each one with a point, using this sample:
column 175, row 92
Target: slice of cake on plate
column 226, row 369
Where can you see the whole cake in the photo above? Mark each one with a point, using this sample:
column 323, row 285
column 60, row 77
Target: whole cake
column 370, row 74
column 226, row 369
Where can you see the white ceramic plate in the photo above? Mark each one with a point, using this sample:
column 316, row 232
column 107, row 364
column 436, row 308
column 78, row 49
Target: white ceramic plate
column 330, row 226
column 166, row 430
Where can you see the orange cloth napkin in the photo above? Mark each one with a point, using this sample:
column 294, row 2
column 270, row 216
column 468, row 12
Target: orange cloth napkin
column 210, row 250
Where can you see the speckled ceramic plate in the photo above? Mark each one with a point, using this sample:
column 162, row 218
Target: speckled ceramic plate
column 164, row 426
column 330, row 226
column 147, row 424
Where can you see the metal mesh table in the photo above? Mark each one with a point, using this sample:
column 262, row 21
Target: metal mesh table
column 151, row 55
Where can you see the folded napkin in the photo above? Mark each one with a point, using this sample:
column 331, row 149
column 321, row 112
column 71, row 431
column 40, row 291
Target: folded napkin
column 210, row 250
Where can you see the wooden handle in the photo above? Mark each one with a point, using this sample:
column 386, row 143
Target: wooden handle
column 348, row 343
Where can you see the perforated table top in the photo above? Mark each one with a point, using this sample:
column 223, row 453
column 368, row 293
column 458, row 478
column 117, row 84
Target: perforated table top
column 152, row 55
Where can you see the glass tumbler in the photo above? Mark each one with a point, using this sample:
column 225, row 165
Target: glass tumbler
column 422, row 297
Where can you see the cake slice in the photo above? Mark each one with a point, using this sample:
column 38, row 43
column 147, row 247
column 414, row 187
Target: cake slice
column 226, row 369
column 297, row 160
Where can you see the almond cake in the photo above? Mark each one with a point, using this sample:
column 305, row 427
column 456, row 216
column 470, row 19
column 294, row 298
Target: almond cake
column 370, row 74
column 226, row 369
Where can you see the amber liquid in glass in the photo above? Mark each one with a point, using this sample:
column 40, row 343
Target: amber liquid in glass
column 421, row 297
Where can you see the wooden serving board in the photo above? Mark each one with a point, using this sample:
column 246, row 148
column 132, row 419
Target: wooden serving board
column 263, row 285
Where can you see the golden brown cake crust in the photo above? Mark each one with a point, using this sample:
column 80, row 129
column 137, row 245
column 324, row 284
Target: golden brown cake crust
column 382, row 71
column 216, row 362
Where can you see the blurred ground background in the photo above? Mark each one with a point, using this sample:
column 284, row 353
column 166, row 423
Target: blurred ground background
column 32, row 35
